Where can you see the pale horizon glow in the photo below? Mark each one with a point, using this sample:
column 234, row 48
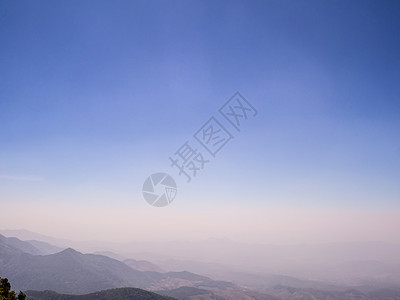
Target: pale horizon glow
column 262, row 225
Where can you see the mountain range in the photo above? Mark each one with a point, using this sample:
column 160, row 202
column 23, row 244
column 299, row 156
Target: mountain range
column 115, row 294
column 72, row 272
column 50, row 271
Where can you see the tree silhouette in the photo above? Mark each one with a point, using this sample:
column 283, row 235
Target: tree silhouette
column 6, row 294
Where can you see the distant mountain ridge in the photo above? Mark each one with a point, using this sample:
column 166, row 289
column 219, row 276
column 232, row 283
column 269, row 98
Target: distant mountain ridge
column 31, row 246
column 27, row 235
column 45, row 248
column 142, row 265
column 112, row 294
column 10, row 244
column 70, row 271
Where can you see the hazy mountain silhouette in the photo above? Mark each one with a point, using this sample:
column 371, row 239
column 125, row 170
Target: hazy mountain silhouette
column 142, row 265
column 112, row 294
column 111, row 255
column 27, row 235
column 45, row 248
column 70, row 271
column 15, row 243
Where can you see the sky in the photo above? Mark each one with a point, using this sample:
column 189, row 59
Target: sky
column 95, row 96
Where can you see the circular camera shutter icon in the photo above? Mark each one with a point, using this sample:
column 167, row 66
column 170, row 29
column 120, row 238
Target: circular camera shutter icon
column 159, row 189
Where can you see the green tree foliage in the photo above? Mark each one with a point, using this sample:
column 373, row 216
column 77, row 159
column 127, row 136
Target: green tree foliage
column 6, row 293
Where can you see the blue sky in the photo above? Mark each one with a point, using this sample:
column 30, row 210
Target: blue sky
column 96, row 95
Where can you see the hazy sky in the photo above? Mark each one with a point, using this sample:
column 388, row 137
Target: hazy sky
column 97, row 95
